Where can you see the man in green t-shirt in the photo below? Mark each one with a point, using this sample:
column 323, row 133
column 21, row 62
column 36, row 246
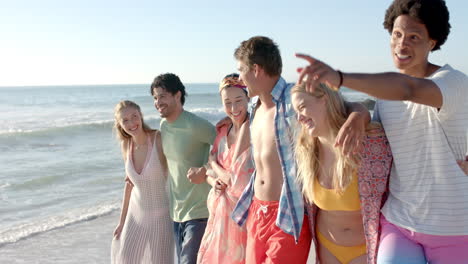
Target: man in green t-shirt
column 186, row 140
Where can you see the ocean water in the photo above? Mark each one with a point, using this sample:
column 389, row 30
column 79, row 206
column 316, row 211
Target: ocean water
column 61, row 171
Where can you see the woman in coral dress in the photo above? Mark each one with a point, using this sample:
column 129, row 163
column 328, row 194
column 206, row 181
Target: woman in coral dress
column 229, row 171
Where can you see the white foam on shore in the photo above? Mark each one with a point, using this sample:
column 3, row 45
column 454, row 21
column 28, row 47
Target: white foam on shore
column 85, row 122
column 34, row 227
column 84, row 242
column 208, row 110
column 4, row 185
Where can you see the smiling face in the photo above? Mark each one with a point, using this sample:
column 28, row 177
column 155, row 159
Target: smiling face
column 235, row 103
column 311, row 113
column 131, row 121
column 165, row 102
column 410, row 45
column 247, row 75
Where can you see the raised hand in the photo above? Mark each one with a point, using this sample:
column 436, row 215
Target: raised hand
column 317, row 72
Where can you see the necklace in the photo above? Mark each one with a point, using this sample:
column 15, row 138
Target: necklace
column 138, row 146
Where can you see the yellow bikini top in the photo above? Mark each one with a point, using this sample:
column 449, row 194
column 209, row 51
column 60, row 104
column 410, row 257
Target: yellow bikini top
column 330, row 200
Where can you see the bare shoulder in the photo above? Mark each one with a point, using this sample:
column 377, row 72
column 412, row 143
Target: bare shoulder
column 153, row 134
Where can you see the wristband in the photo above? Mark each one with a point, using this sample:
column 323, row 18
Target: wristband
column 341, row 79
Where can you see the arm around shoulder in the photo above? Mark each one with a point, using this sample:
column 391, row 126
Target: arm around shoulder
column 351, row 133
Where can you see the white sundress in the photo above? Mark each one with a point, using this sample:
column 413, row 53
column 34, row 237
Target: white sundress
column 147, row 235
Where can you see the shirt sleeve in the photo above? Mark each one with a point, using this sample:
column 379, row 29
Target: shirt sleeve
column 161, row 123
column 206, row 132
column 291, row 116
column 453, row 85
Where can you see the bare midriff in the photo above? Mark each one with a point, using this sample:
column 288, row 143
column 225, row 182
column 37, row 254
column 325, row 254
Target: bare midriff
column 343, row 228
column 269, row 176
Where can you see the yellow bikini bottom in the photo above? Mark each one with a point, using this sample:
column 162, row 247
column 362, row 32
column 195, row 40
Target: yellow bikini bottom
column 342, row 253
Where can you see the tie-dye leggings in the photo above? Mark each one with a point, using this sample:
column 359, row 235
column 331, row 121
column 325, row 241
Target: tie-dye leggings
column 400, row 245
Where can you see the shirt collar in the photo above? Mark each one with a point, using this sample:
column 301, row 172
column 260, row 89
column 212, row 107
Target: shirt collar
column 279, row 88
column 276, row 93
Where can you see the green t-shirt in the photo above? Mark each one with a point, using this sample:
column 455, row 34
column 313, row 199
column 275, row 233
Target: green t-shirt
column 186, row 143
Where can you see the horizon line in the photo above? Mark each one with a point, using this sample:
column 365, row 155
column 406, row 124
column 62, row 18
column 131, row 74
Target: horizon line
column 105, row 84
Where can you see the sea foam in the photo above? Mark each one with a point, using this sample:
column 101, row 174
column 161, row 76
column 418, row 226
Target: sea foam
column 33, row 228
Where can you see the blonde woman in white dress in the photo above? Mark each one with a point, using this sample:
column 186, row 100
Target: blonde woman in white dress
column 144, row 232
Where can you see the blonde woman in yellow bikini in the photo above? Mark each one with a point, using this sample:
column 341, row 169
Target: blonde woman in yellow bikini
column 344, row 193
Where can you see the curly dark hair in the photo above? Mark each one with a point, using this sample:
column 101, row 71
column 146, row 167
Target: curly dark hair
column 261, row 51
column 171, row 83
column 432, row 13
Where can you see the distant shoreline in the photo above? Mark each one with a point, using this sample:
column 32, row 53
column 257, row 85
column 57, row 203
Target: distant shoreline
column 87, row 85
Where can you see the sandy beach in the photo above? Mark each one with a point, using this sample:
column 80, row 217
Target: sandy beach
column 87, row 242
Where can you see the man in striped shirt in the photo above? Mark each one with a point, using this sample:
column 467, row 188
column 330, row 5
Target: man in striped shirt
column 425, row 117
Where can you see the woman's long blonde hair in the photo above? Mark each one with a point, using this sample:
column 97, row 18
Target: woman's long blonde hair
column 307, row 147
column 123, row 136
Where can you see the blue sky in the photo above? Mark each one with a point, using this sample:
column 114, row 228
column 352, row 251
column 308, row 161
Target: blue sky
column 120, row 42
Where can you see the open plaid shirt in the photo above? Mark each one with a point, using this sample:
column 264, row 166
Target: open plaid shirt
column 291, row 206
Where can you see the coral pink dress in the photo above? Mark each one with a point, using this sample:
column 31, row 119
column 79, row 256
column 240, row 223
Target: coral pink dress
column 224, row 241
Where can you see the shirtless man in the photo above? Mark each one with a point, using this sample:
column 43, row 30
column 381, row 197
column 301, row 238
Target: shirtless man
column 272, row 204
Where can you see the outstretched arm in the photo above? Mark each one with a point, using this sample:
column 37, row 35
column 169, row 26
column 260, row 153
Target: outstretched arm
column 387, row 86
